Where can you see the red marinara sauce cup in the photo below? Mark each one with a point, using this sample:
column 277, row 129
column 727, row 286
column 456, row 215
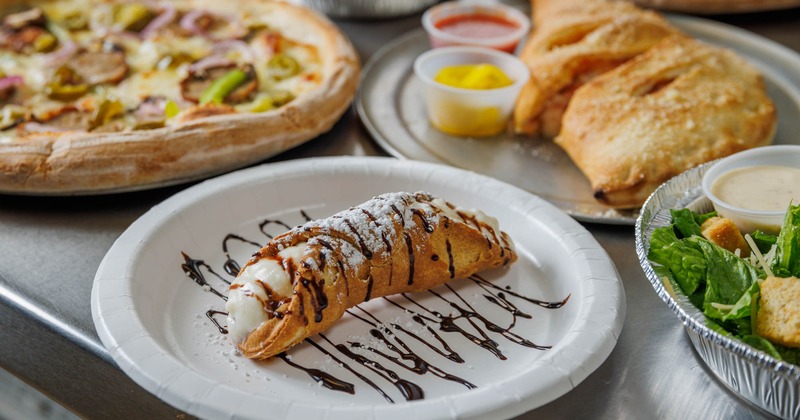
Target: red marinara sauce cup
column 485, row 25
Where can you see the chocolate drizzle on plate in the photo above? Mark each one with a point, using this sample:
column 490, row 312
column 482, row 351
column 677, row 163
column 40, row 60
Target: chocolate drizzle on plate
column 387, row 345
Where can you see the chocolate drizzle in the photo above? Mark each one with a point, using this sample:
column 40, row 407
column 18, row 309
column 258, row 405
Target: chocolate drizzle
column 396, row 341
column 232, row 267
column 346, row 366
column 368, row 296
column 425, row 224
column 410, row 257
column 192, row 269
column 420, row 365
column 210, row 315
column 451, row 264
column 327, row 380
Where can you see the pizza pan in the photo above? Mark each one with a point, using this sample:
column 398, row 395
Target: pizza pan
column 390, row 104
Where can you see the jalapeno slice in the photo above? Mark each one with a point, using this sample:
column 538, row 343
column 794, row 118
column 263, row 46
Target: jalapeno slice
column 282, row 66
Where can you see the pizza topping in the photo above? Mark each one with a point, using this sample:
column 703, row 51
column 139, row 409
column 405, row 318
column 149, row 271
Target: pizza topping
column 167, row 16
column 151, row 113
column 132, row 17
column 76, row 21
column 213, row 26
column 66, row 85
column 282, row 66
column 220, row 84
column 26, row 32
column 223, row 86
column 107, row 110
column 30, row 17
column 209, row 63
column 267, row 101
column 67, row 118
column 104, row 66
column 235, row 49
column 8, row 85
column 12, row 116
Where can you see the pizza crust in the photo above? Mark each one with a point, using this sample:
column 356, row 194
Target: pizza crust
column 198, row 145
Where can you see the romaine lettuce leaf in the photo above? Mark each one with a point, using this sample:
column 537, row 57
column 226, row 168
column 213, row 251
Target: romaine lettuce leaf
column 728, row 278
column 787, row 257
column 684, row 259
column 684, row 222
column 789, row 354
column 702, row 217
column 764, row 241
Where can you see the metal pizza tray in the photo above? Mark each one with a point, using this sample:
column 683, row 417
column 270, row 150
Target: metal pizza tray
column 390, row 104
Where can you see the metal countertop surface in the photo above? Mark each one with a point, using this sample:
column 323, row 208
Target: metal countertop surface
column 50, row 248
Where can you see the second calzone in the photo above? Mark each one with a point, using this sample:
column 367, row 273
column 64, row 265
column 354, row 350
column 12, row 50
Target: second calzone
column 575, row 41
column 680, row 104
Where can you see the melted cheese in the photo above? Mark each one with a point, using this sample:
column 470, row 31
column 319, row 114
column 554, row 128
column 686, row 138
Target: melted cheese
column 143, row 56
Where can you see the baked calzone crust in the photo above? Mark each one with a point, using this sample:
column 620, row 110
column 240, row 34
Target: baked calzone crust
column 574, row 41
column 680, row 104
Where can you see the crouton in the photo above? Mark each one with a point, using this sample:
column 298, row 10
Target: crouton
column 778, row 318
column 723, row 232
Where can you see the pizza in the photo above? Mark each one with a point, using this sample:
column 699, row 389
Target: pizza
column 100, row 96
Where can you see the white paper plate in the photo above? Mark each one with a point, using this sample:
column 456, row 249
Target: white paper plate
column 151, row 316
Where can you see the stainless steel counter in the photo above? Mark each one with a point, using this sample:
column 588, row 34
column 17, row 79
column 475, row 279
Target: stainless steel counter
column 50, row 248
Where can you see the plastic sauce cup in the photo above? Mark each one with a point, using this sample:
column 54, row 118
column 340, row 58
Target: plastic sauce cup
column 485, row 25
column 469, row 112
column 749, row 220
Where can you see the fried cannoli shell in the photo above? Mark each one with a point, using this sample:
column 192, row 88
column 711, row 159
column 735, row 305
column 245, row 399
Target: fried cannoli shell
column 339, row 270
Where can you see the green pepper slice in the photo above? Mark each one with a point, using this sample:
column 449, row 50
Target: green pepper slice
column 133, row 16
column 221, row 87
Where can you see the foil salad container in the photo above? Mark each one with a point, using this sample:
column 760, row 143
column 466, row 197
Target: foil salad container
column 363, row 9
column 755, row 376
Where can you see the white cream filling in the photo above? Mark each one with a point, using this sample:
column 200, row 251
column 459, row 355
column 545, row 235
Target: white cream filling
column 244, row 307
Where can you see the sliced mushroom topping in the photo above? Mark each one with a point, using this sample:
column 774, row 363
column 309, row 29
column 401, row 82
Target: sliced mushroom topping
column 150, row 113
column 25, row 33
column 30, row 17
column 107, row 65
column 8, row 86
column 67, row 118
column 198, row 82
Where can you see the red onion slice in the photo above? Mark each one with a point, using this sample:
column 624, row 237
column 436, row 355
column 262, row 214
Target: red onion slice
column 210, row 62
column 165, row 18
column 189, row 22
column 240, row 46
column 67, row 50
column 11, row 81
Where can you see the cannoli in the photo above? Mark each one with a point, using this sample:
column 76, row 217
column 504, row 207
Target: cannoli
column 575, row 41
column 302, row 281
